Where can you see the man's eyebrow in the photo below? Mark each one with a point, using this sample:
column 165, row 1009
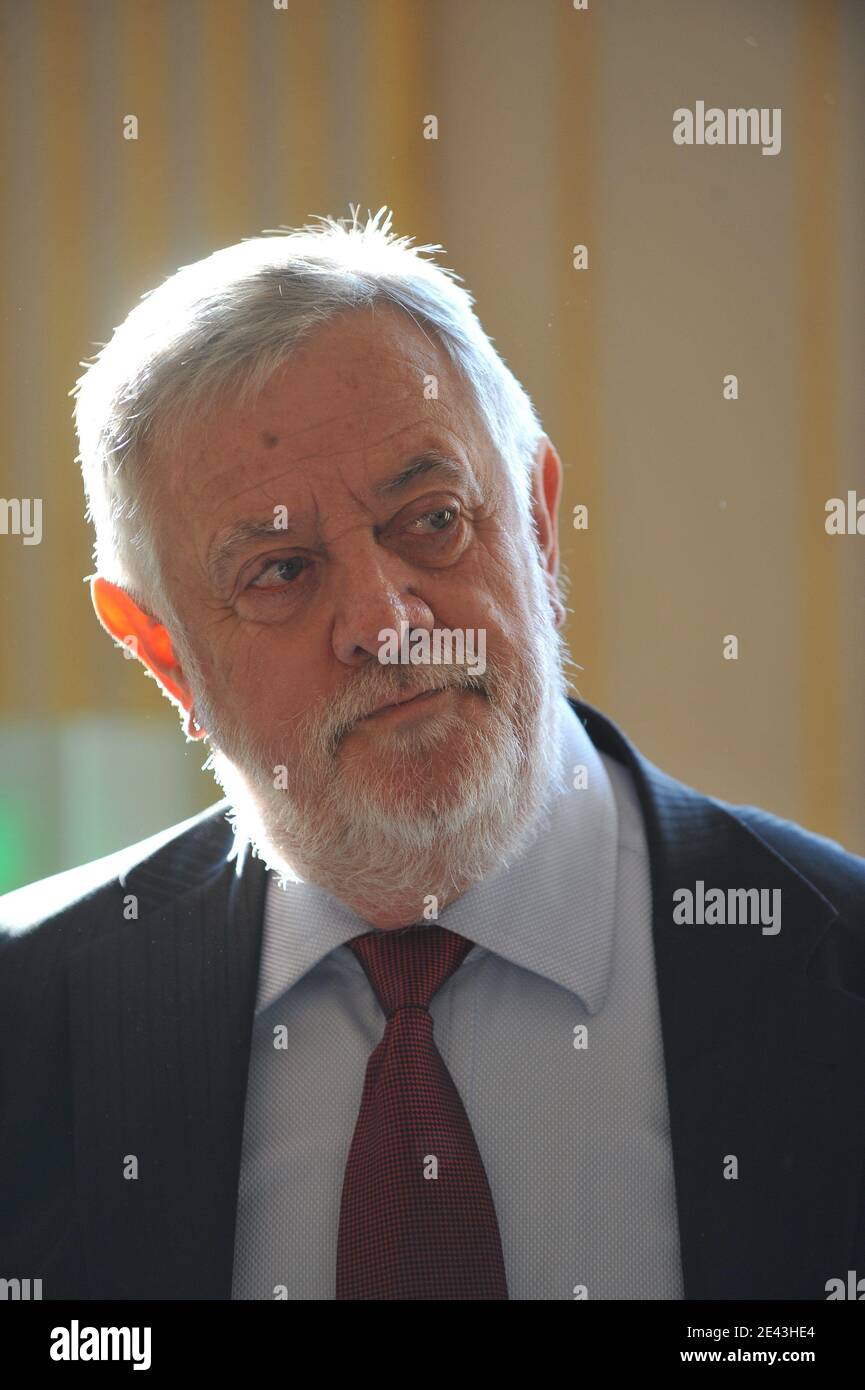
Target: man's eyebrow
column 431, row 460
column 237, row 537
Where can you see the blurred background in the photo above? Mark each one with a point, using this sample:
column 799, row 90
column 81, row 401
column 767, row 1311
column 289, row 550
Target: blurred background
column 706, row 516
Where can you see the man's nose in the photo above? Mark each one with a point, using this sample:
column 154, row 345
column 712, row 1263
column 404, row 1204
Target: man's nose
column 373, row 592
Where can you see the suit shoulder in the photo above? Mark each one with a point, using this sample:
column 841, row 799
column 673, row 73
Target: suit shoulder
column 832, row 868
column 79, row 894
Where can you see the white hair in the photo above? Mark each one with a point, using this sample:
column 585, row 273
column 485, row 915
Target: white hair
column 227, row 323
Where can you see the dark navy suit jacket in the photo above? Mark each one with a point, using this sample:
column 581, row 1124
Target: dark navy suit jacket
column 130, row 1035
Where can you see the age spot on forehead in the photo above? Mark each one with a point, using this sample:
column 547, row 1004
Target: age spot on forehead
column 269, row 439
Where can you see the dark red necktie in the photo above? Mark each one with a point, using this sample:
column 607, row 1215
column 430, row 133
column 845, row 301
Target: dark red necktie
column 417, row 1218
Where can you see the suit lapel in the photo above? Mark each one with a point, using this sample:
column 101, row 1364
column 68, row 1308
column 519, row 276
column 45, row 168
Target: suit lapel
column 161, row 1012
column 765, row 1057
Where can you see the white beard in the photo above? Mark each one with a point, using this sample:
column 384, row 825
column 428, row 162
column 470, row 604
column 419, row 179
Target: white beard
column 377, row 830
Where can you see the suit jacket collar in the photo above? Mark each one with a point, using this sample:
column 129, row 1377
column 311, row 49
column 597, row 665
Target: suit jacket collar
column 762, row 1052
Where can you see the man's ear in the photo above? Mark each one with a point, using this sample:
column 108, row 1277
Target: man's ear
column 546, row 492
column 147, row 639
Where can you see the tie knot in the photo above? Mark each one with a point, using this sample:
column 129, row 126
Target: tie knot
column 407, row 967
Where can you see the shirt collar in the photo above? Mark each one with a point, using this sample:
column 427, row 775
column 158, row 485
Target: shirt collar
column 551, row 911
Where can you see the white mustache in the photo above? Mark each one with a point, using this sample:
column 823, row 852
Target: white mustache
column 340, row 714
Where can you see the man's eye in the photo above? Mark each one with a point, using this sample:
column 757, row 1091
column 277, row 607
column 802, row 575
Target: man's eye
column 284, row 570
column 441, row 518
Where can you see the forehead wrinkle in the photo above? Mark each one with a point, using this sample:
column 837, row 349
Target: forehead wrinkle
column 290, row 434
column 333, row 417
column 337, row 453
column 336, row 417
column 404, row 357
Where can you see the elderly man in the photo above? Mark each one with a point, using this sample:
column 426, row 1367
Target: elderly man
column 454, row 995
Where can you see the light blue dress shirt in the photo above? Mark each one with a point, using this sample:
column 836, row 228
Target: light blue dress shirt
column 575, row 1139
